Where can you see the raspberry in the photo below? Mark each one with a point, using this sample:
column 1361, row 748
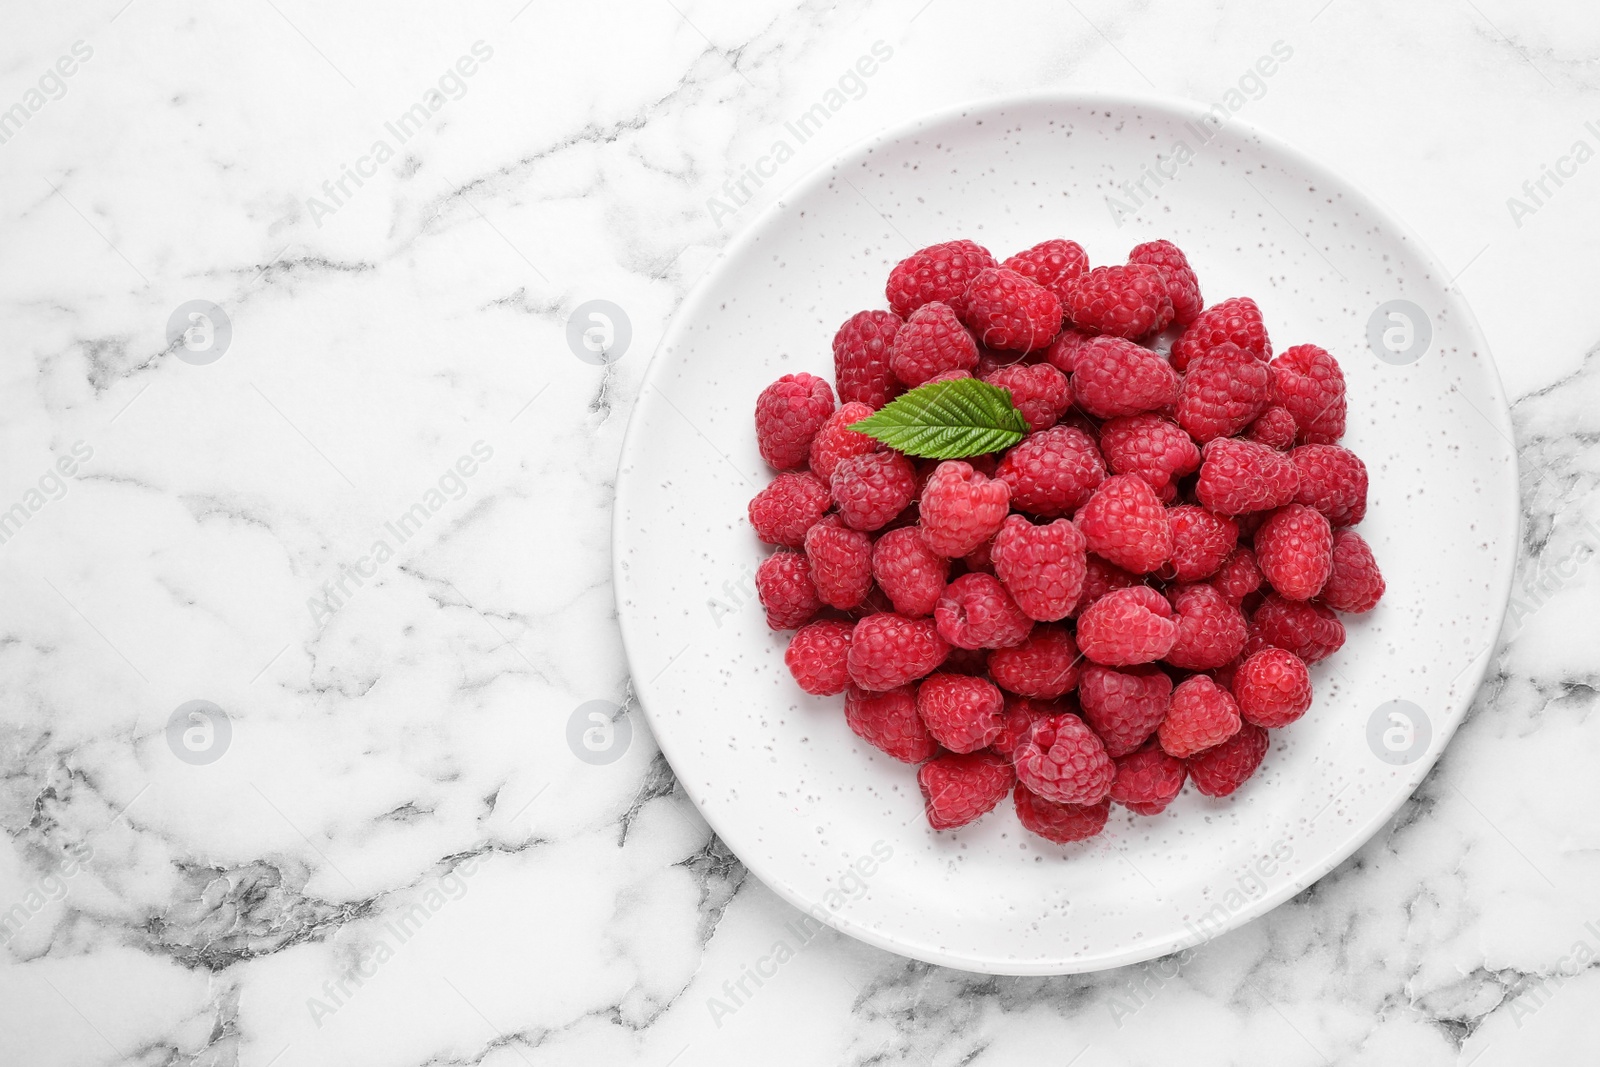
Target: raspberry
column 1044, row 666
column 931, row 342
column 1310, row 631
column 1052, row 472
column 1223, row 392
column 1061, row 823
column 959, row 788
column 789, row 412
column 977, row 612
column 1126, row 627
column 1062, row 760
column 1016, row 720
column 910, row 573
column 841, row 562
column 1333, row 480
column 1202, row 716
column 1010, row 312
column 1238, row 576
column 1354, row 584
column 962, row 712
column 1201, row 542
column 816, row 656
column 1155, row 448
column 784, row 587
column 1100, row 577
column 939, row 272
column 1182, row 285
column 1223, row 769
column 1038, row 390
column 1063, row 351
column 1308, row 381
column 887, row 651
column 1124, row 706
column 1147, row 780
column 783, row 511
column 1239, row 476
column 1211, row 631
column 1117, row 377
column 861, row 359
column 1042, row 566
column 1294, row 549
column 889, row 721
column 1272, row 688
column 1274, row 427
column 1125, row 524
column 1130, row 301
column 873, row 488
column 961, row 509
column 1236, row 321
column 836, row 441
column 1054, row 264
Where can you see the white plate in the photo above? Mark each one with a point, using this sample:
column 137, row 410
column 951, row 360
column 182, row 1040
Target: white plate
column 836, row 827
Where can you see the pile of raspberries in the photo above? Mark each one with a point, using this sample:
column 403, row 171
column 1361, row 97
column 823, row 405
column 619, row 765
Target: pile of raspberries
column 1126, row 599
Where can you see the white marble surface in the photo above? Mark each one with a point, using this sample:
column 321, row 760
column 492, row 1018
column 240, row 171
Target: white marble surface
column 399, row 860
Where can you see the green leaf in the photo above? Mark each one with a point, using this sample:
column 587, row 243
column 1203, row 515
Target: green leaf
column 947, row 420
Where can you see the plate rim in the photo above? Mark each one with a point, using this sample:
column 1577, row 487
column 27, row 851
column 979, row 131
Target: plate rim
column 862, row 148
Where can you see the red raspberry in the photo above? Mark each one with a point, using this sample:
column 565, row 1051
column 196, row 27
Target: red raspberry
column 1042, row 566
column 1061, row 823
column 1054, row 264
column 1010, row 312
column 1124, row 523
column 1062, row 760
column 836, row 441
column 962, row 712
column 1052, row 472
column 1124, row 706
column 1236, row 321
column 1182, row 285
column 789, row 412
column 1223, row 392
column 1038, row 390
column 1201, row 542
column 1130, row 301
column 1238, row 576
column 939, row 272
column 1063, row 351
column 1211, row 631
column 959, row 788
column 841, row 562
column 1310, row 631
column 1308, row 381
column 1274, row 427
column 887, row 651
column 977, row 612
column 873, row 488
column 1333, row 480
column 910, row 573
column 1239, row 476
column 1272, row 688
column 1117, row 377
column 1147, row 780
column 1202, row 716
column 861, row 359
column 1127, row 626
column 1355, row 584
column 784, row 587
column 816, row 656
column 889, row 721
column 961, row 509
column 1100, row 577
column 1155, row 448
column 1044, row 667
column 931, row 342
column 1016, row 720
column 783, row 511
column 1218, row 772
column 1294, row 549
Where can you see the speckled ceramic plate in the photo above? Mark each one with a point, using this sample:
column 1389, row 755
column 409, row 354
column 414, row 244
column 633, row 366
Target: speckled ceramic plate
column 837, row 827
